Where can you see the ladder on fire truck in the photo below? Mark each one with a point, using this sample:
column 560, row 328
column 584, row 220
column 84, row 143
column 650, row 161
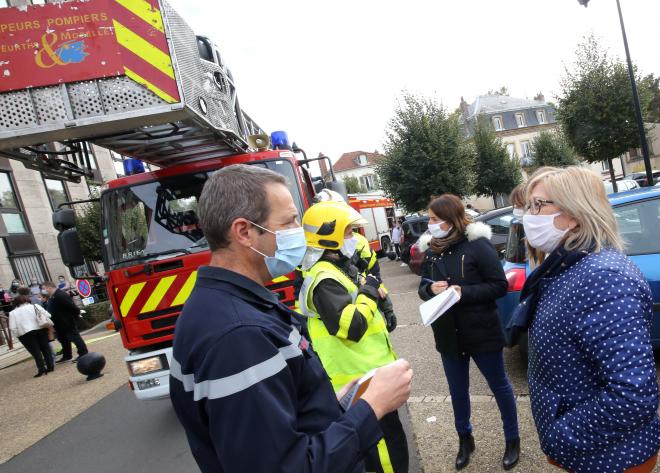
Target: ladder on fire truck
column 201, row 119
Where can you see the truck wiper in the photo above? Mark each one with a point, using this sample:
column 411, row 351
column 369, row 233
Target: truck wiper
column 154, row 255
column 201, row 242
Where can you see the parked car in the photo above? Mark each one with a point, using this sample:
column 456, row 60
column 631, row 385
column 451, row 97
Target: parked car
column 413, row 228
column 622, row 186
column 638, row 215
column 499, row 221
column 640, row 177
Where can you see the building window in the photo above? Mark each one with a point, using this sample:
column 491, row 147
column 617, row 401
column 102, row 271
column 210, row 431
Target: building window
column 29, row 267
column 526, row 150
column 511, row 149
column 362, row 160
column 368, row 182
column 497, row 123
column 57, row 192
column 9, row 208
column 520, row 119
column 540, row 116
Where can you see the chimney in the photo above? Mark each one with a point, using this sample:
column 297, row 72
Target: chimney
column 323, row 164
column 464, row 107
column 540, row 97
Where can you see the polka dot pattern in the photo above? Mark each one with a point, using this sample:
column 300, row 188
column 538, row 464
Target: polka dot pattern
column 592, row 378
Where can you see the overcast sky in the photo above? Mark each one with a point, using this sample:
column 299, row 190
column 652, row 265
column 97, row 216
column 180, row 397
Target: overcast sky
column 330, row 73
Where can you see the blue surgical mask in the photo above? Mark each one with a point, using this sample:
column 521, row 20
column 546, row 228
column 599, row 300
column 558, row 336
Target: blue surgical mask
column 289, row 253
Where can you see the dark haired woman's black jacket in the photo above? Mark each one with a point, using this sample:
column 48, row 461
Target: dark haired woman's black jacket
column 472, row 325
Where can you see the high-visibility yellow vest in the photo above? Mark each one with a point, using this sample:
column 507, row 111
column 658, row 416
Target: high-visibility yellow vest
column 344, row 360
column 365, row 251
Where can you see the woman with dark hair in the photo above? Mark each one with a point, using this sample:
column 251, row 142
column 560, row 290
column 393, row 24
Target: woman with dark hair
column 461, row 257
column 24, row 323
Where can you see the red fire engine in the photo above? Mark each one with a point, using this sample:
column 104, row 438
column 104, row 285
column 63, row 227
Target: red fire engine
column 380, row 214
column 131, row 76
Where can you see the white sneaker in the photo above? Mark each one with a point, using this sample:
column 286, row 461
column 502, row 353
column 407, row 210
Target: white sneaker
column 403, row 264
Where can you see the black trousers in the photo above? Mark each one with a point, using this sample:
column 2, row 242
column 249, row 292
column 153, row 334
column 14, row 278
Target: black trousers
column 36, row 343
column 68, row 336
column 397, row 250
column 396, row 444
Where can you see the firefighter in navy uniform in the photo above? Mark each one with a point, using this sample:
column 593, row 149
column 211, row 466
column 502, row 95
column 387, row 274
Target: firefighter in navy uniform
column 248, row 389
column 346, row 328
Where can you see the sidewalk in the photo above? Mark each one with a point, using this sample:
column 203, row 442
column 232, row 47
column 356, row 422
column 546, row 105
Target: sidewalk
column 19, row 354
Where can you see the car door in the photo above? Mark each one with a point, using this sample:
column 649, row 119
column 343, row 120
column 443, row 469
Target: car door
column 639, row 225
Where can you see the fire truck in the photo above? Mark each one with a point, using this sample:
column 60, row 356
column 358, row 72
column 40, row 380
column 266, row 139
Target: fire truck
column 131, row 76
column 380, row 214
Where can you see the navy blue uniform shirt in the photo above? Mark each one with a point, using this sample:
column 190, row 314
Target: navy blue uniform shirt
column 250, row 392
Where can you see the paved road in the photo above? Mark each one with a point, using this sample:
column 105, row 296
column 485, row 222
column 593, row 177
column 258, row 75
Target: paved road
column 118, row 433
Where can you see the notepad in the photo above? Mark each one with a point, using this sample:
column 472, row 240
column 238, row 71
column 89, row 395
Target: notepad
column 356, row 392
column 432, row 309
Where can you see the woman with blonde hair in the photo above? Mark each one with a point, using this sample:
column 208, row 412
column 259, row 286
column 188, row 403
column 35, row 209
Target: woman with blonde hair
column 592, row 378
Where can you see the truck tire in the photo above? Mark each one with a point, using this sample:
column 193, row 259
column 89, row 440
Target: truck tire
column 385, row 247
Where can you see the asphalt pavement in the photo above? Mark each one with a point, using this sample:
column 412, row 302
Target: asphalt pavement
column 119, row 433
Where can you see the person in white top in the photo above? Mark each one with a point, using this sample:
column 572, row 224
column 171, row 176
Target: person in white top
column 397, row 235
column 24, row 324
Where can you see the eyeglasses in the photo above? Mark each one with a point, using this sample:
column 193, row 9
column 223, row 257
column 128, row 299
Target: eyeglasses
column 536, row 205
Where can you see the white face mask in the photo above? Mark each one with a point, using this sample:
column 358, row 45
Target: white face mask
column 541, row 232
column 349, row 246
column 518, row 213
column 437, row 232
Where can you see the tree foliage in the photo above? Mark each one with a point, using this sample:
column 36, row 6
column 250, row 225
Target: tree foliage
column 88, row 224
column 425, row 154
column 353, row 185
column 652, row 85
column 504, row 90
column 495, row 171
column 596, row 107
column 551, row 148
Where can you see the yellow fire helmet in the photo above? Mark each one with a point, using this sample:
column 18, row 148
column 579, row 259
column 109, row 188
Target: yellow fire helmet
column 326, row 222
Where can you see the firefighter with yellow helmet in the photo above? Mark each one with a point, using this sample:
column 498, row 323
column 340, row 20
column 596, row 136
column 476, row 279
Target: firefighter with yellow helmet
column 346, row 328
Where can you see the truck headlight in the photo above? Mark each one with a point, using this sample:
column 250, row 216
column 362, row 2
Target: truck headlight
column 146, row 365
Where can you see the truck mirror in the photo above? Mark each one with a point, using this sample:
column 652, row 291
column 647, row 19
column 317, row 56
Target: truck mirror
column 338, row 186
column 64, row 219
column 70, row 248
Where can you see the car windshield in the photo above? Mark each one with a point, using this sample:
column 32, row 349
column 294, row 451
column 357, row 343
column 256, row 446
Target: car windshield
column 158, row 218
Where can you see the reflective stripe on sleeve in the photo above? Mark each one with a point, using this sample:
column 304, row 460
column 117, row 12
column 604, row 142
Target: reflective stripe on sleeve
column 228, row 385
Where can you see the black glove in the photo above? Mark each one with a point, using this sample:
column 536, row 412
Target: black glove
column 372, row 281
column 370, row 288
column 390, row 319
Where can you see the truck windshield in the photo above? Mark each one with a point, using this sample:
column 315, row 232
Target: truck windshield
column 159, row 218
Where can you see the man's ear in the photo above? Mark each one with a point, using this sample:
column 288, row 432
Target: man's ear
column 242, row 232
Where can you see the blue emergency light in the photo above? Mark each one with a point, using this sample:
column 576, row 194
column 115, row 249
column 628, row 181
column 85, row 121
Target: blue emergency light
column 280, row 140
column 133, row 166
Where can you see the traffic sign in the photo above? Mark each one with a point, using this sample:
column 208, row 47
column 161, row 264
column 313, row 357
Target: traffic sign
column 84, row 288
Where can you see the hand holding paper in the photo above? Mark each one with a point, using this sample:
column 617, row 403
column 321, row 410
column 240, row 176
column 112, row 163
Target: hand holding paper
column 432, row 309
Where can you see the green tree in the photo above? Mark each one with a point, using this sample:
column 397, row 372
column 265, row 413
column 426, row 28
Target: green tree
column 495, row 172
column 88, row 224
column 596, row 107
column 551, row 148
column 504, row 90
column 652, row 84
column 425, row 154
column 353, row 185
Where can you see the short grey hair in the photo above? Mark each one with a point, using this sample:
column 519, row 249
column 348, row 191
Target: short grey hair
column 237, row 191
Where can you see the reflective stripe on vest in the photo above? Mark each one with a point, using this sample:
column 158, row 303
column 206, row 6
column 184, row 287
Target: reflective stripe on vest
column 344, row 360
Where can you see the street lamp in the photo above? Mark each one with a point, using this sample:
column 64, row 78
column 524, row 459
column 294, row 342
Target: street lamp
column 638, row 110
